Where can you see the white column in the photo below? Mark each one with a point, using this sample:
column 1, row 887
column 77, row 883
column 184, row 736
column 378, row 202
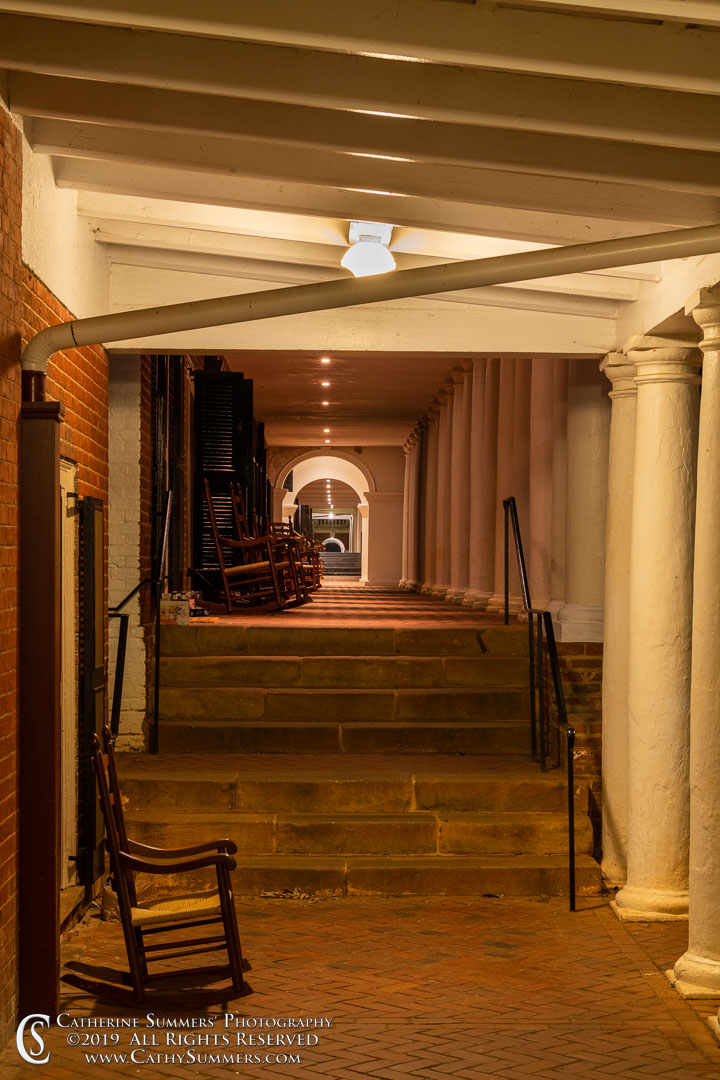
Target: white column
column 478, row 487
column 363, row 511
column 617, row 585
column 416, row 441
column 699, row 967
column 506, row 396
column 541, row 477
column 384, row 535
column 559, row 484
column 442, row 517
column 460, row 485
column 406, row 516
column 661, row 563
column 521, row 453
column 588, row 436
column 431, row 463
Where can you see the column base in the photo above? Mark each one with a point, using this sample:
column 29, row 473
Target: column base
column 695, row 976
column 475, row 598
column 714, row 1025
column 455, row 596
column 496, row 603
column 426, row 588
column 439, row 591
column 576, row 622
column 634, row 904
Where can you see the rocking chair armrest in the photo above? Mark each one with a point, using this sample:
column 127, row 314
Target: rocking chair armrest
column 198, row 862
column 134, row 848
column 255, row 541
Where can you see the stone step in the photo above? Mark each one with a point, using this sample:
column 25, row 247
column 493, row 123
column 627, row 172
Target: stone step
column 317, row 737
column 402, row 875
column 420, row 833
column 300, row 704
column 330, row 784
column 282, row 640
column 338, row 672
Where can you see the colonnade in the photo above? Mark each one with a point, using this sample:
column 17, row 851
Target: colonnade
column 661, row 672
column 616, row 474
column 498, row 427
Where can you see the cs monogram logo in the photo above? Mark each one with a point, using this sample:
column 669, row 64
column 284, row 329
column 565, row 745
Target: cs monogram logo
column 33, row 1024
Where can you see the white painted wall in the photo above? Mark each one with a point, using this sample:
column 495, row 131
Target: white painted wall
column 59, row 246
column 124, row 542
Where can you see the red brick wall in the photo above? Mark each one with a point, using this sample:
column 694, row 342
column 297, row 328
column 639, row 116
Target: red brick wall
column 10, row 316
column 78, row 378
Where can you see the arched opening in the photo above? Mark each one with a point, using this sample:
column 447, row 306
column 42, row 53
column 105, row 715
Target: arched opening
column 334, row 489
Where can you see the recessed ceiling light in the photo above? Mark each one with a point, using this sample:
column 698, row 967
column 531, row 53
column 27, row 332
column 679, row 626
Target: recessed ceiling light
column 326, row 402
column 324, row 359
column 326, row 430
column 327, row 440
column 324, row 383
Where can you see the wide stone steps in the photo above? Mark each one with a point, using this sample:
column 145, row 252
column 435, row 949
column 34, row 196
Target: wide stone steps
column 339, row 641
column 345, row 672
column 357, row 760
column 363, row 824
column 182, row 736
column 419, row 833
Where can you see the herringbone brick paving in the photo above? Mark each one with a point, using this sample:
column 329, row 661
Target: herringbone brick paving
column 481, row 988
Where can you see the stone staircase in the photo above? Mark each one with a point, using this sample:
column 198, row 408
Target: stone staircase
column 341, row 563
column 356, row 761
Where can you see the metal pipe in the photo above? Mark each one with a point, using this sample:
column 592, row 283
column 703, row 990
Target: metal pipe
column 475, row 273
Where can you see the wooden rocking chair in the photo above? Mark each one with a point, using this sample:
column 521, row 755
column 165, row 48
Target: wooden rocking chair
column 141, row 919
column 287, row 552
column 256, row 577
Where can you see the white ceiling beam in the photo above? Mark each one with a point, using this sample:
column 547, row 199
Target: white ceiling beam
column 273, row 260
column 435, row 92
column 687, row 12
column 505, row 38
column 251, row 158
column 331, row 129
column 519, row 298
column 264, row 231
column 294, row 197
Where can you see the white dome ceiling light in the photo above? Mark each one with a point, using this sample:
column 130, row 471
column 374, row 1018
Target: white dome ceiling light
column 368, row 252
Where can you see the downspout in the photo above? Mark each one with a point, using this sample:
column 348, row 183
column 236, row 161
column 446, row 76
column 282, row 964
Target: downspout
column 293, row 300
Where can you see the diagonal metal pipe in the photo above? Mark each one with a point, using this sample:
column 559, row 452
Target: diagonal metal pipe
column 344, row 292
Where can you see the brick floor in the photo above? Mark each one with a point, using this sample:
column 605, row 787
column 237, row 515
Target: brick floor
column 488, row 989
column 348, row 603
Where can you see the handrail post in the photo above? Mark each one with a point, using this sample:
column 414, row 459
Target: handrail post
column 119, row 673
column 571, row 813
column 506, row 508
column 541, row 694
column 533, row 711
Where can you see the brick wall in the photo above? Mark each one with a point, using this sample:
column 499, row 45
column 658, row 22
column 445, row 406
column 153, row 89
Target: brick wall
column 10, row 317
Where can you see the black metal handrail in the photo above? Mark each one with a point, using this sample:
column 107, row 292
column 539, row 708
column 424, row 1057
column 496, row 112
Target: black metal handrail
column 117, row 612
column 540, row 621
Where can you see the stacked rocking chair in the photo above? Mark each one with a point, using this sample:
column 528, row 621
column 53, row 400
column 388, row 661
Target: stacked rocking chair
column 255, row 570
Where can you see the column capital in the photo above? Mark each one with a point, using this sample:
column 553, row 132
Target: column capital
column 457, row 374
column 621, row 374
column 667, row 358
column 704, row 306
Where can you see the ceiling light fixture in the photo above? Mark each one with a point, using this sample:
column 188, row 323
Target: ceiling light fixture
column 326, row 403
column 324, row 383
column 368, row 252
column 326, row 430
column 324, row 359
